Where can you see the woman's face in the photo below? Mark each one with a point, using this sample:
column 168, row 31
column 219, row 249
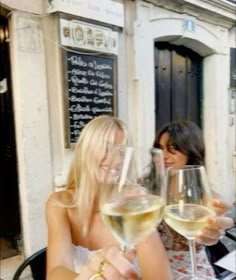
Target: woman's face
column 119, row 138
column 172, row 157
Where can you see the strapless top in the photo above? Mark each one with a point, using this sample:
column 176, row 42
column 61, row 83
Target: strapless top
column 81, row 256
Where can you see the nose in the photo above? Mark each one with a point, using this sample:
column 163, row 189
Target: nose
column 165, row 153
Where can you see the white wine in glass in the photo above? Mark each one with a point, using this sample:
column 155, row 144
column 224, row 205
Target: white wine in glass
column 132, row 195
column 188, row 206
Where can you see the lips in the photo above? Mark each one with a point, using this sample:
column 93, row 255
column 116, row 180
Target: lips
column 168, row 164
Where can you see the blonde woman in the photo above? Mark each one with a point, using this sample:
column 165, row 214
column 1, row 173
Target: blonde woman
column 79, row 244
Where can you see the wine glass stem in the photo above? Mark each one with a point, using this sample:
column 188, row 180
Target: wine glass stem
column 192, row 250
column 123, row 249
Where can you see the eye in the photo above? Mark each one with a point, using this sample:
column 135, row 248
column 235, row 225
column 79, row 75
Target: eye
column 172, row 149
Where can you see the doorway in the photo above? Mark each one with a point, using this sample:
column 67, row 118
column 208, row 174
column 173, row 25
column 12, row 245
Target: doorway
column 178, row 84
column 9, row 197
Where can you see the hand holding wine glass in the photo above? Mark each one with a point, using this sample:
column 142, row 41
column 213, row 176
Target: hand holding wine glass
column 132, row 195
column 188, row 206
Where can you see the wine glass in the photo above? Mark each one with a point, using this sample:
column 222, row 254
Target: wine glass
column 132, row 195
column 188, row 206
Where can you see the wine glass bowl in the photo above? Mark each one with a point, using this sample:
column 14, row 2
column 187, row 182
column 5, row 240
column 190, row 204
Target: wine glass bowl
column 132, row 194
column 188, row 205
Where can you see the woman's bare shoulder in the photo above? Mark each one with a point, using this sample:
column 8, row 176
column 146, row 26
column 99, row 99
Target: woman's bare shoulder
column 61, row 198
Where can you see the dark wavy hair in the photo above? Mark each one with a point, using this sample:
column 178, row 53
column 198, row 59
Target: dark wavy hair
column 186, row 137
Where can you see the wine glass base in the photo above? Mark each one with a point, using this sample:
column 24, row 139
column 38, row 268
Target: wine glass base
column 190, row 277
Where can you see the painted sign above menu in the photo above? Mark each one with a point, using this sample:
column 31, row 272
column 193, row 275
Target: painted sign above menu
column 77, row 34
column 107, row 11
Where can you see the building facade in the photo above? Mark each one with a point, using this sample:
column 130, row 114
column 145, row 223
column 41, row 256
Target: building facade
column 125, row 35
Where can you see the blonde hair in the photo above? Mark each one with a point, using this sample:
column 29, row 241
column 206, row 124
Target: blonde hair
column 90, row 150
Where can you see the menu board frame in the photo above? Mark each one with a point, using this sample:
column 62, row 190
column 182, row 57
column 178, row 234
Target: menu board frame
column 109, row 95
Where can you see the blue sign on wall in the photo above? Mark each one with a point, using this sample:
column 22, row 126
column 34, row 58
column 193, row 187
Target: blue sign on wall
column 189, row 25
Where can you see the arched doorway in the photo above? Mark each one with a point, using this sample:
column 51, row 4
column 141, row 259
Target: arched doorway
column 178, row 89
column 9, row 196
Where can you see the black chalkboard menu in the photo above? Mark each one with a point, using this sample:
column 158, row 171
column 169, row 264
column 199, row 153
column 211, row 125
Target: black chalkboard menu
column 90, row 89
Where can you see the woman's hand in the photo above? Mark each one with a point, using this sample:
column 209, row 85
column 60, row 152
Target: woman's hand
column 109, row 263
column 216, row 225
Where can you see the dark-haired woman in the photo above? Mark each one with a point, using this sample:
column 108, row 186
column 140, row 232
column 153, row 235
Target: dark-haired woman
column 182, row 143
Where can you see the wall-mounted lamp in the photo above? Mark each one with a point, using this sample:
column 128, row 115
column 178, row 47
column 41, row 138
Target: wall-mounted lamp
column 4, row 35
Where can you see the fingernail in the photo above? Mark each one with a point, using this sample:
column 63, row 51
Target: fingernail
column 133, row 275
column 216, row 202
column 211, row 220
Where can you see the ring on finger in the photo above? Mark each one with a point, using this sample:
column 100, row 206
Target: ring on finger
column 103, row 263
